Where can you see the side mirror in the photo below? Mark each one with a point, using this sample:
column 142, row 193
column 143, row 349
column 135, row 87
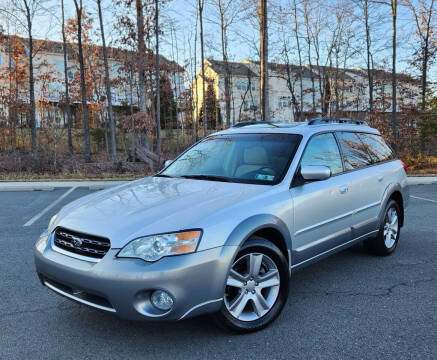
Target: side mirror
column 168, row 162
column 313, row 172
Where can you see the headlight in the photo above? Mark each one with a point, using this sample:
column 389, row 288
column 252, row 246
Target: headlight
column 41, row 243
column 153, row 248
column 52, row 221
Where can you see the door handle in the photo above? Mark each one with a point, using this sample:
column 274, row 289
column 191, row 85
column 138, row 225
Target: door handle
column 344, row 189
column 380, row 178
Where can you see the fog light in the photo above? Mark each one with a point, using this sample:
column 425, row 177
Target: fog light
column 162, row 300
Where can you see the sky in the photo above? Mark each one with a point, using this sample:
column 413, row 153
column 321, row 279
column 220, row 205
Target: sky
column 243, row 34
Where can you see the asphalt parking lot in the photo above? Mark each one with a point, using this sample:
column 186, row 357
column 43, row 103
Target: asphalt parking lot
column 350, row 306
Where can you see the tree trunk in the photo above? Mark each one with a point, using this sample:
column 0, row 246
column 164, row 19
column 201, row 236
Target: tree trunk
column 426, row 55
column 296, row 33
column 264, row 73
column 394, row 6
column 131, row 108
column 225, row 60
column 141, row 54
column 108, row 87
column 158, row 83
column 202, row 55
column 369, row 56
column 31, row 79
column 86, row 132
column 67, row 90
column 308, row 39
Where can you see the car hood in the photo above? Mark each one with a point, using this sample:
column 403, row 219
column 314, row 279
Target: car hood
column 150, row 206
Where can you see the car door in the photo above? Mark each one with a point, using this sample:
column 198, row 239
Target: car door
column 321, row 208
column 365, row 182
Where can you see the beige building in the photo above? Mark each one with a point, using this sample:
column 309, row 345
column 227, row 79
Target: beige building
column 325, row 90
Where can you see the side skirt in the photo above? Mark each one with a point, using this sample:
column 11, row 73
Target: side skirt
column 331, row 251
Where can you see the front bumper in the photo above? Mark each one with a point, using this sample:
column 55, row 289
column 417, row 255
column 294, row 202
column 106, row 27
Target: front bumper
column 123, row 286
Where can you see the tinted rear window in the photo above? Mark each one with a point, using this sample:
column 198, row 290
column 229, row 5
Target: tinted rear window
column 377, row 147
column 354, row 151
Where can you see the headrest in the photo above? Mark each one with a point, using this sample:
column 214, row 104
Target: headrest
column 256, row 155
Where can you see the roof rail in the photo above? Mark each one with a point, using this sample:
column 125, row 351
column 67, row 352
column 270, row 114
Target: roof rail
column 337, row 121
column 252, row 122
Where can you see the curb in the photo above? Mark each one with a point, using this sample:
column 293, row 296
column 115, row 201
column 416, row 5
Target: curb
column 100, row 185
column 418, row 180
column 25, row 188
column 50, row 186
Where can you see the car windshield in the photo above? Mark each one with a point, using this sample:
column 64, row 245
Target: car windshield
column 245, row 158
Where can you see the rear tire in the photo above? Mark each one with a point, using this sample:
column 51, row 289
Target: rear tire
column 256, row 288
column 387, row 239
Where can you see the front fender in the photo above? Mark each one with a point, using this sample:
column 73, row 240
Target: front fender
column 250, row 226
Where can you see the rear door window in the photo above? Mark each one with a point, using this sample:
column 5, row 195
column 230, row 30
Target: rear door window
column 323, row 150
column 355, row 152
column 377, row 147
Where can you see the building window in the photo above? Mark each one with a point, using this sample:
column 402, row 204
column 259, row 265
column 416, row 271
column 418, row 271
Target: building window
column 380, row 87
column 284, row 102
column 250, row 104
column 115, row 69
column 243, row 85
column 59, row 65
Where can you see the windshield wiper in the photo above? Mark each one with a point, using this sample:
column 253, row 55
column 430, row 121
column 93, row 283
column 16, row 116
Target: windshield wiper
column 163, row 175
column 207, row 177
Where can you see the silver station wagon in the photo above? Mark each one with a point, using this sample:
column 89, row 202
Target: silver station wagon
column 222, row 228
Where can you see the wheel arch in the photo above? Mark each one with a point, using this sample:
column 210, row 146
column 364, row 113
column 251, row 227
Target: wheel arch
column 267, row 226
column 393, row 192
column 397, row 196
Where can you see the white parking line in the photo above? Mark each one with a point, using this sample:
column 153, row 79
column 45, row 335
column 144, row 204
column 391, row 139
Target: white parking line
column 37, row 216
column 420, row 198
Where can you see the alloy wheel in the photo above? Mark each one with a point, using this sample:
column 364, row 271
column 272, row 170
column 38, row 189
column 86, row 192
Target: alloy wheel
column 391, row 227
column 252, row 287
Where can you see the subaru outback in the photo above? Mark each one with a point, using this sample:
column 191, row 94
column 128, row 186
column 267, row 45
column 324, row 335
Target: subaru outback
column 221, row 229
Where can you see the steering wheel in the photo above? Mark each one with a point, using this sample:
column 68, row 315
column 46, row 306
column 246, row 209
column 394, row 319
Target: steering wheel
column 268, row 170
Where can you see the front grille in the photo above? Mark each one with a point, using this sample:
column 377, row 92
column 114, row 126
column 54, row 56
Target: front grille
column 82, row 244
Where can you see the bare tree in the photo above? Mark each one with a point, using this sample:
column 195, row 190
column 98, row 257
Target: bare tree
column 264, row 56
column 306, row 15
column 67, row 85
column 201, row 4
column 30, row 7
column 299, row 54
column 425, row 29
column 193, row 67
column 394, row 13
column 228, row 13
column 158, row 83
column 141, row 54
column 86, row 133
column 369, row 55
column 286, row 50
column 107, row 85
column 24, row 11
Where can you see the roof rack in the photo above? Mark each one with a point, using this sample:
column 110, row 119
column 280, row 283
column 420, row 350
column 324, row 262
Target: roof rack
column 337, row 121
column 252, row 122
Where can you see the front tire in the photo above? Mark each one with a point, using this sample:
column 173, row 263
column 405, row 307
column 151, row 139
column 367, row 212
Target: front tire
column 256, row 287
column 387, row 239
